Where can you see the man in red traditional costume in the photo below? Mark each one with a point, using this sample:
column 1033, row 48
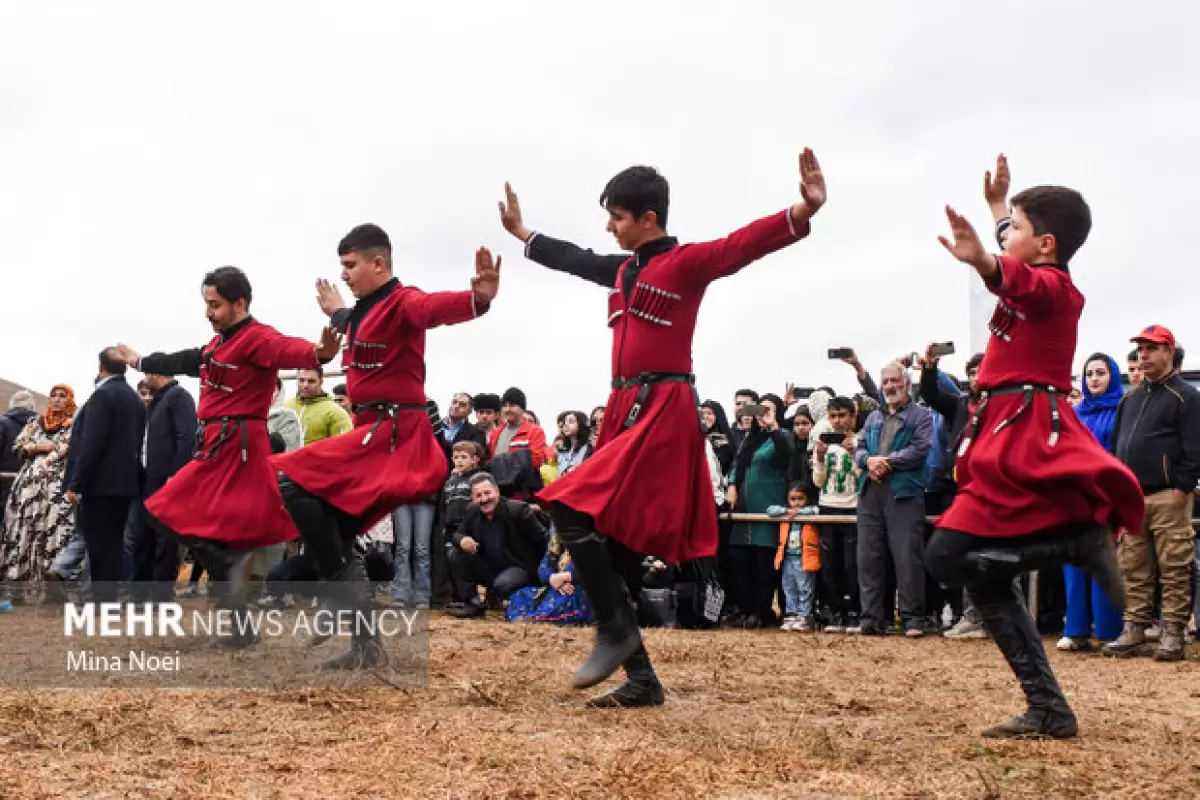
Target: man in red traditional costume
column 226, row 502
column 338, row 487
column 647, row 488
column 1035, row 488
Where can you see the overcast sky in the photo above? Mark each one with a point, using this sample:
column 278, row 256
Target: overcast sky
column 144, row 144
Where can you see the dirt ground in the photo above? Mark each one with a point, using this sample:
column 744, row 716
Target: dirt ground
column 748, row 714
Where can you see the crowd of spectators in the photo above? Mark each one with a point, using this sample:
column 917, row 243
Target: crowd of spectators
column 825, row 499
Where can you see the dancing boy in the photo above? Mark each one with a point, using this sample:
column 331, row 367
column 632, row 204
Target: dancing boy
column 1035, row 488
column 647, row 488
column 338, row 487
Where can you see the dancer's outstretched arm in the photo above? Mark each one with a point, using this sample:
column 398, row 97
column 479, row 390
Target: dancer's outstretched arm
column 554, row 253
column 182, row 362
column 708, row 261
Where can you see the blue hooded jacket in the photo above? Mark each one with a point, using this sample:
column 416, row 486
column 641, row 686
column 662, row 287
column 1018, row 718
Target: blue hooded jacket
column 1099, row 412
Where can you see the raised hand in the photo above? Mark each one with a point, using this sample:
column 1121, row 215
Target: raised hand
column 995, row 188
column 966, row 246
column 330, row 344
column 486, row 283
column 127, row 355
column 510, row 214
column 812, row 181
column 329, row 297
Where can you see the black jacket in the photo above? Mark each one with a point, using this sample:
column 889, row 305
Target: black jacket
column 456, row 499
column 524, row 534
column 106, row 442
column 471, row 433
column 1157, row 434
column 170, row 433
column 12, row 422
column 955, row 410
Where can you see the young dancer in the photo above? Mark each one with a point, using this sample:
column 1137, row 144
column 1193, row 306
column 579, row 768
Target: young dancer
column 1035, row 489
column 338, row 487
column 647, row 488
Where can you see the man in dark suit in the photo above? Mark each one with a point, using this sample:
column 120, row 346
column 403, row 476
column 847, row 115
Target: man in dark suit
column 104, row 470
column 170, row 439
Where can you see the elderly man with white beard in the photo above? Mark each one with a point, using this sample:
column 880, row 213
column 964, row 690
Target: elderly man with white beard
column 891, row 506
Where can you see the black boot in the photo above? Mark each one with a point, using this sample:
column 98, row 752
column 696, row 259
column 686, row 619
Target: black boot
column 640, row 690
column 617, row 635
column 1089, row 548
column 350, row 590
column 1008, row 622
column 228, row 591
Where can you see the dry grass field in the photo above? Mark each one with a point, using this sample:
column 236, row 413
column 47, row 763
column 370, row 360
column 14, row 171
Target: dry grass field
column 749, row 714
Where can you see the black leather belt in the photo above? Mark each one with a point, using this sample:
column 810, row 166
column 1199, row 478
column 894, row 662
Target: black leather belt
column 643, row 382
column 227, row 422
column 1027, row 390
column 387, row 410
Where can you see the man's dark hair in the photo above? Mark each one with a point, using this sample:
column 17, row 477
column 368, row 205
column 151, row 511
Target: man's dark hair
column 974, row 361
column 483, row 477
column 1059, row 211
column 1177, row 363
column 320, row 370
column 368, row 239
column 753, row 395
column 842, row 403
column 109, row 362
column 638, row 190
column 339, row 390
column 1134, row 355
column 230, row 282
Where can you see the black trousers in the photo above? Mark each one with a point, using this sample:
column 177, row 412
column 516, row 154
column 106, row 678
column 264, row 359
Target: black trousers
column 839, row 566
column 103, row 522
column 156, row 553
column 469, row 571
column 754, row 571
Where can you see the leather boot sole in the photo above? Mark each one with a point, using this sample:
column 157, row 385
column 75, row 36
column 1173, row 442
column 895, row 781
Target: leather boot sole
column 630, row 695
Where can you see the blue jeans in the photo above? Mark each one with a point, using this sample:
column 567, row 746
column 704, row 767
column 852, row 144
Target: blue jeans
column 413, row 528
column 1088, row 607
column 71, row 561
column 1196, row 584
column 799, row 590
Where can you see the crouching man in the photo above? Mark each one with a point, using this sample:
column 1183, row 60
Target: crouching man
column 498, row 546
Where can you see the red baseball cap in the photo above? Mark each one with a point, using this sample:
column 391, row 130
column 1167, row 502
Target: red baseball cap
column 1157, row 334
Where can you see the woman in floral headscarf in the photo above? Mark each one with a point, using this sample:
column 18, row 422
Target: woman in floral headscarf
column 38, row 518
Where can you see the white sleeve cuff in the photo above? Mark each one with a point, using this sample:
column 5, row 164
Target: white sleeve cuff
column 529, row 242
column 791, row 224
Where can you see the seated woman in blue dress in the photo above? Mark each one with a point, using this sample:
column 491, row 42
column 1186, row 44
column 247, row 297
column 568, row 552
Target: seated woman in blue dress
column 558, row 600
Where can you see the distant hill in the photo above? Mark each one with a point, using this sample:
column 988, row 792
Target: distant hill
column 9, row 388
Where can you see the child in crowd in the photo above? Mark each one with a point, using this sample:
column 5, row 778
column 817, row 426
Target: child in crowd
column 467, row 458
column 836, row 476
column 800, row 556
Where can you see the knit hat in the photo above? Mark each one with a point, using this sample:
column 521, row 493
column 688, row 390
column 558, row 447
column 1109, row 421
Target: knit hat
column 486, row 402
column 515, row 396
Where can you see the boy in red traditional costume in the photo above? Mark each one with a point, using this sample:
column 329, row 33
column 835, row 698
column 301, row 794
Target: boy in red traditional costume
column 226, row 501
column 338, row 487
column 1035, row 488
column 647, row 488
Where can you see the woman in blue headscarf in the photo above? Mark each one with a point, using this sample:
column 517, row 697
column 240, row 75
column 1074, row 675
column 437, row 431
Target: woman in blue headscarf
column 1087, row 606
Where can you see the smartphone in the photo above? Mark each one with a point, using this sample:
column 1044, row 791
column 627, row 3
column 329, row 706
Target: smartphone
column 908, row 361
column 752, row 410
column 941, row 349
column 838, row 353
column 833, row 437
